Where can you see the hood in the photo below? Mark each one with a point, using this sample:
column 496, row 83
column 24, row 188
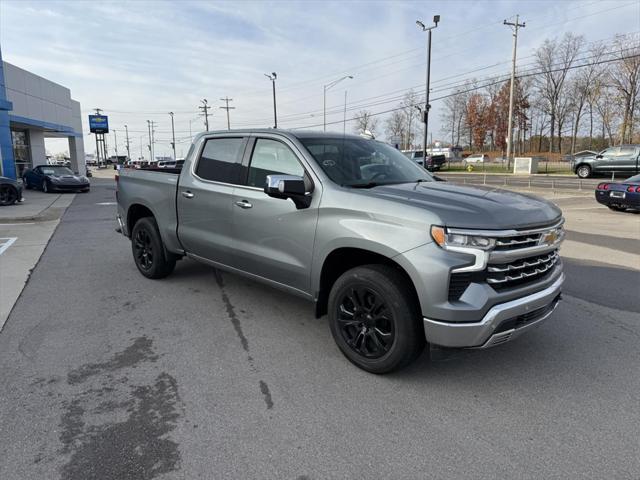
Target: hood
column 68, row 178
column 479, row 207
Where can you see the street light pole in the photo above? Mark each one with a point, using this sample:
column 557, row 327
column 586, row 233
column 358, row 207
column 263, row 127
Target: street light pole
column 273, row 77
column 436, row 20
column 324, row 98
column 173, row 137
column 515, row 26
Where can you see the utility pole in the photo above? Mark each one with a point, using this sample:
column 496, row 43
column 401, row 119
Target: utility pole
column 173, row 137
column 126, row 129
column 205, row 111
column 151, row 125
column 227, row 108
column 436, row 20
column 115, row 143
column 273, row 77
column 514, row 26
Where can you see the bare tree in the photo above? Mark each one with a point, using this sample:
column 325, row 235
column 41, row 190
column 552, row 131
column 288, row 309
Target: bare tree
column 624, row 77
column 365, row 121
column 584, row 88
column 395, row 126
column 554, row 58
column 453, row 116
column 411, row 114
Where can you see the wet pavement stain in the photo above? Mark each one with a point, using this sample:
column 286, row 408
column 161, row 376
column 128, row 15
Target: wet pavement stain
column 235, row 321
column 140, row 350
column 264, row 388
column 134, row 449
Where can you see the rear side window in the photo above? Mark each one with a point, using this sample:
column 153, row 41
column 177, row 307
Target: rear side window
column 627, row 151
column 220, row 159
column 271, row 157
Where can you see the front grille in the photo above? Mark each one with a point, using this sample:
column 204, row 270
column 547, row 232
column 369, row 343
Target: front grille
column 517, row 242
column 521, row 271
column 526, row 318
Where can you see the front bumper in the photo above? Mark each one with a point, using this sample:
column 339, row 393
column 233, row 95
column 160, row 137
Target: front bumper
column 503, row 322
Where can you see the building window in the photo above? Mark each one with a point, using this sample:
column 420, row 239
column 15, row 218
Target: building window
column 21, row 151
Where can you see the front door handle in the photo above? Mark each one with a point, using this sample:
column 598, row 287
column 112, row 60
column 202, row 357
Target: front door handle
column 187, row 194
column 243, row 204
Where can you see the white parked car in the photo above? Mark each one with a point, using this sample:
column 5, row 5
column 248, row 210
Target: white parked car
column 477, row 158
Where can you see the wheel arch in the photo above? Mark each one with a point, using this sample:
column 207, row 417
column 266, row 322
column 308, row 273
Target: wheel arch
column 342, row 259
column 135, row 212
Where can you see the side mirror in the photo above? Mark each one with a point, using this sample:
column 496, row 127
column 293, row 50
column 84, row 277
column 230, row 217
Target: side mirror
column 438, row 179
column 288, row 186
column 598, row 156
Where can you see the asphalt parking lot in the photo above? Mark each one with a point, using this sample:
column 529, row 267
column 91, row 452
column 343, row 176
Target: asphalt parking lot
column 206, row 375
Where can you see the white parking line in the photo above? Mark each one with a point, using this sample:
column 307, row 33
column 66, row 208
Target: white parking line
column 106, row 203
column 6, row 243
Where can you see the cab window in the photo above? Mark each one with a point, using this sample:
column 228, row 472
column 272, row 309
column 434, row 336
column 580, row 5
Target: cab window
column 271, row 157
column 220, row 159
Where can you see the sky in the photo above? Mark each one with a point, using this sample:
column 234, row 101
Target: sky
column 137, row 60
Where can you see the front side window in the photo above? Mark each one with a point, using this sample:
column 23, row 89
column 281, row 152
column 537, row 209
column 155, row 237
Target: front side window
column 220, row 159
column 271, row 157
column 610, row 152
column 359, row 162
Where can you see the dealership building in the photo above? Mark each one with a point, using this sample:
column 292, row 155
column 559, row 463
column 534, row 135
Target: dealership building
column 33, row 108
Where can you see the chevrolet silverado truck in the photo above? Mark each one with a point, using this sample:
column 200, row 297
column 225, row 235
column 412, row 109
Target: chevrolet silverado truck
column 394, row 257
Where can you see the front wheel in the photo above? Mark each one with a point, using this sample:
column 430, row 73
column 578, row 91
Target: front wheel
column 374, row 319
column 148, row 251
column 584, row 171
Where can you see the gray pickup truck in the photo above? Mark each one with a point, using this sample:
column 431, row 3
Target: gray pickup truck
column 395, row 257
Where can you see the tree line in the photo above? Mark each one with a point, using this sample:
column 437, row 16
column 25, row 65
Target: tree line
column 572, row 96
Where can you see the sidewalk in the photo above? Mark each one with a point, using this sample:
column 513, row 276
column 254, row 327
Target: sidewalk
column 37, row 207
column 25, row 230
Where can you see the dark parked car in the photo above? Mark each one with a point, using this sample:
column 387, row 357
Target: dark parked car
column 623, row 159
column 52, row 178
column 620, row 196
column 10, row 191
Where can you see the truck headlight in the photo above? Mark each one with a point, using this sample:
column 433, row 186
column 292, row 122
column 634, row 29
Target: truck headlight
column 457, row 240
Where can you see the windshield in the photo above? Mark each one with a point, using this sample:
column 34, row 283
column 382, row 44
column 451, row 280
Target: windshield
column 356, row 162
column 53, row 170
column 634, row 179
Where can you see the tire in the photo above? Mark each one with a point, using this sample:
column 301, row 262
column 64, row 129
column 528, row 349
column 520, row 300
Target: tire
column 45, row 187
column 382, row 338
column 148, row 250
column 26, row 183
column 615, row 208
column 583, row 171
column 8, row 195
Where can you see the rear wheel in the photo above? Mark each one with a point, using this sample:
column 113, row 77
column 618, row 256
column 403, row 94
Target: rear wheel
column 616, row 208
column 374, row 319
column 584, row 171
column 8, row 195
column 148, row 250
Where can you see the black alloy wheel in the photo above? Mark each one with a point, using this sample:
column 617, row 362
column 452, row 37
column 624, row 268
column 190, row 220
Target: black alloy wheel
column 148, row 250
column 143, row 249
column 8, row 195
column 366, row 322
column 375, row 319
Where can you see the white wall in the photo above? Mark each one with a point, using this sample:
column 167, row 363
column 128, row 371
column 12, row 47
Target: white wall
column 38, row 152
column 38, row 98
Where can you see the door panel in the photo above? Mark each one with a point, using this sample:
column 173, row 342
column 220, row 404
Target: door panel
column 205, row 197
column 607, row 162
column 626, row 160
column 274, row 239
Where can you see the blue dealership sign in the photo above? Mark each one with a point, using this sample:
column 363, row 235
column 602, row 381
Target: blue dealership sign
column 98, row 124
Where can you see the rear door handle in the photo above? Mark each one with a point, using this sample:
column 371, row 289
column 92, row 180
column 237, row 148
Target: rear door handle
column 187, row 194
column 243, row 204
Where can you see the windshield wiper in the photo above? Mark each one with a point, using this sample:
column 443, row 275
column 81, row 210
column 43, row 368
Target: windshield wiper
column 364, row 185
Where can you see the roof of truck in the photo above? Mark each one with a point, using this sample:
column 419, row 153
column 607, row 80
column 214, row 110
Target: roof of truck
column 293, row 133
